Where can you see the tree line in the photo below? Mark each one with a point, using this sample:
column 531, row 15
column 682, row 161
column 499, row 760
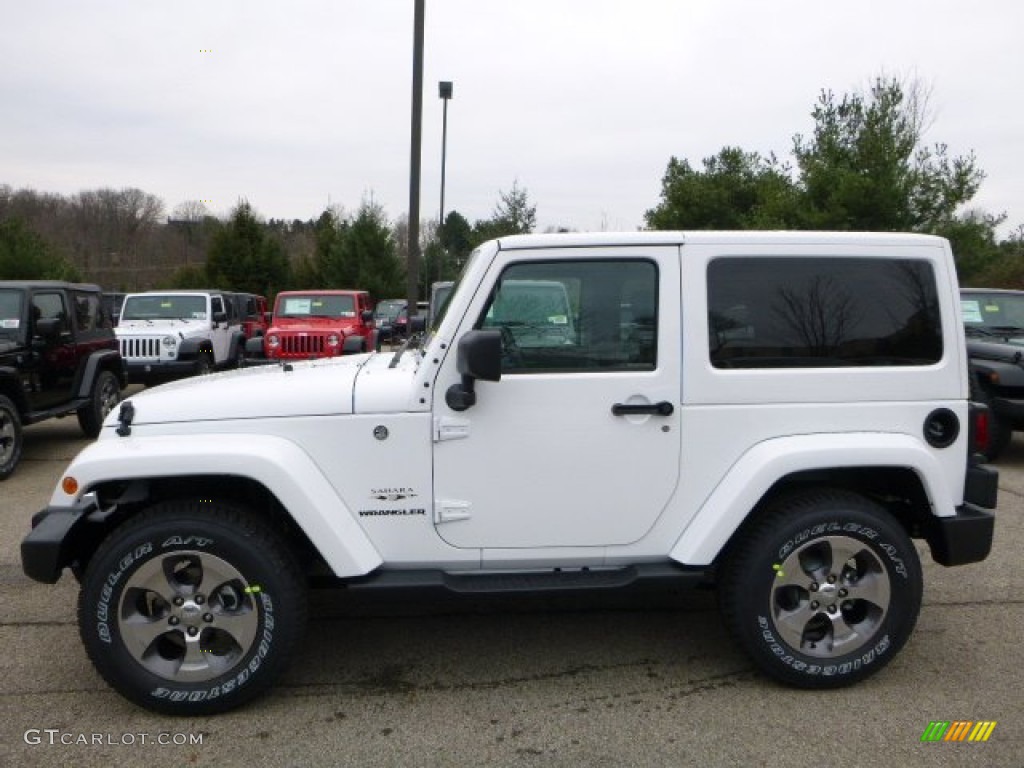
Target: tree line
column 864, row 166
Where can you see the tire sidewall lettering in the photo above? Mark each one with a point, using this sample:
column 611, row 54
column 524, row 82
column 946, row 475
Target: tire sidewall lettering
column 129, row 559
column 106, row 612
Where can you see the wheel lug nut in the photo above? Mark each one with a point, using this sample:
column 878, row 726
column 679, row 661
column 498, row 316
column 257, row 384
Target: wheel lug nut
column 831, row 609
column 814, row 605
column 843, row 593
column 208, row 617
column 199, row 599
column 831, row 579
column 192, row 631
column 179, row 600
column 814, row 586
column 173, row 621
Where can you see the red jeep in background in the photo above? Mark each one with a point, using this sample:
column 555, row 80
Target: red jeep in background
column 309, row 324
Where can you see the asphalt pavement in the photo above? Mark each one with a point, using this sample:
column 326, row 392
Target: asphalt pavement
column 645, row 679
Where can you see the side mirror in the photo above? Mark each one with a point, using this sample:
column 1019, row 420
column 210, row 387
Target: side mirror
column 220, row 317
column 48, row 328
column 479, row 357
column 367, row 316
column 417, row 324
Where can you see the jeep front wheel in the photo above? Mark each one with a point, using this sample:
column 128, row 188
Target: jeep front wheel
column 204, row 364
column 822, row 590
column 192, row 608
column 106, row 394
column 10, row 437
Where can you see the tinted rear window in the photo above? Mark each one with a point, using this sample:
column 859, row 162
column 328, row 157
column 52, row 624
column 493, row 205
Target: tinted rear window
column 804, row 312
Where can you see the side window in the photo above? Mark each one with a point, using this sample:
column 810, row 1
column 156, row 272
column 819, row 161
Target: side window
column 822, row 312
column 570, row 316
column 88, row 312
column 216, row 305
column 47, row 306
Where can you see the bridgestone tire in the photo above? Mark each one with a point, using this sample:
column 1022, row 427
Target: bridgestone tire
column 106, row 393
column 821, row 590
column 11, row 437
column 192, row 608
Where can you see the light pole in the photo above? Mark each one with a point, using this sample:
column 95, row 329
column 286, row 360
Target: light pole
column 444, row 91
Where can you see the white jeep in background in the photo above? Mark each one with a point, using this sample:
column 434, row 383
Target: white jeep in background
column 779, row 413
column 166, row 335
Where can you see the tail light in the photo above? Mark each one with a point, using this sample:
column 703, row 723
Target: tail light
column 979, row 432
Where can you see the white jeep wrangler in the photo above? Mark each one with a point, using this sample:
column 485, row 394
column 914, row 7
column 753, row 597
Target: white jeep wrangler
column 170, row 334
column 780, row 412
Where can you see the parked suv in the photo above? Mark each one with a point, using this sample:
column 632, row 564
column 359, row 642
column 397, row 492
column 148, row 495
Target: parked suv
column 994, row 323
column 779, row 414
column 311, row 324
column 58, row 356
column 170, row 334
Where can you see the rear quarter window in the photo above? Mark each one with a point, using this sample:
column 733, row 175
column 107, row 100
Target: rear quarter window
column 788, row 312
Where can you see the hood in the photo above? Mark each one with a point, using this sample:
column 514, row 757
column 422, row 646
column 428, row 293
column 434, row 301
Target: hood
column 326, row 386
column 310, row 388
column 1008, row 350
column 312, row 324
column 153, row 327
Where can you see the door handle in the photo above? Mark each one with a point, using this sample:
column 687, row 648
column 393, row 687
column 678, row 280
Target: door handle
column 664, row 408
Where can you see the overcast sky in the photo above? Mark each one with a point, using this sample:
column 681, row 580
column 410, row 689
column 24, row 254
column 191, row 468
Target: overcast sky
column 295, row 105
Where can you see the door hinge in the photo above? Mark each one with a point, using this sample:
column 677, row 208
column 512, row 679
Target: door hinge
column 450, row 511
column 448, row 428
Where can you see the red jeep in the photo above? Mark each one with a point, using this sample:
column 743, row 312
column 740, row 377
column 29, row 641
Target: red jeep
column 325, row 323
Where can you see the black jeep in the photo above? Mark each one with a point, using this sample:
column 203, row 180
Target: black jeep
column 994, row 323
column 58, row 355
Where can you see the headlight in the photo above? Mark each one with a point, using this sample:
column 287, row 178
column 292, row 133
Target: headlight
column 273, row 341
column 170, row 342
column 332, row 340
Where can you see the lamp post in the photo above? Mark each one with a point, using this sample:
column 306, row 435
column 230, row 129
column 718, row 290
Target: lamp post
column 444, row 91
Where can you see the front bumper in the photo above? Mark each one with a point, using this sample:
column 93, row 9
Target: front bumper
column 55, row 540
column 139, row 372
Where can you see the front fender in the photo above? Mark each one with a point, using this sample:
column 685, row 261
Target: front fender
column 190, row 348
column 274, row 462
column 756, row 471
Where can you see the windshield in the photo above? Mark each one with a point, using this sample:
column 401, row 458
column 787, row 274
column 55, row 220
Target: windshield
column 10, row 314
column 316, row 305
column 389, row 309
column 993, row 311
column 441, row 310
column 164, row 308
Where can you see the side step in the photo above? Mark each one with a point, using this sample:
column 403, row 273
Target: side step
column 556, row 579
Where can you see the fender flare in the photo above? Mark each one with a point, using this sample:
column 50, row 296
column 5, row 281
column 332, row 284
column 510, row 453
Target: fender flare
column 106, row 359
column 190, row 348
column 352, row 345
column 757, row 470
column 277, row 464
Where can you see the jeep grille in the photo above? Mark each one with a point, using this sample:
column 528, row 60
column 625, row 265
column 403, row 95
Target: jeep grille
column 303, row 346
column 140, row 348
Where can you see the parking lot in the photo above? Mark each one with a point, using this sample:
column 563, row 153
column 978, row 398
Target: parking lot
column 648, row 678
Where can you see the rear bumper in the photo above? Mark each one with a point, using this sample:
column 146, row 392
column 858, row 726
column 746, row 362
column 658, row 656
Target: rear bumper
column 964, row 538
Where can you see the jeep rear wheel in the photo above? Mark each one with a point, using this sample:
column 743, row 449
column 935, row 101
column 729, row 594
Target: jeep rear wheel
column 10, row 437
column 192, row 608
column 106, row 394
column 822, row 590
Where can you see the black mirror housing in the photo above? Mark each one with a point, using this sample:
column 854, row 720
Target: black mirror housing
column 479, row 355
